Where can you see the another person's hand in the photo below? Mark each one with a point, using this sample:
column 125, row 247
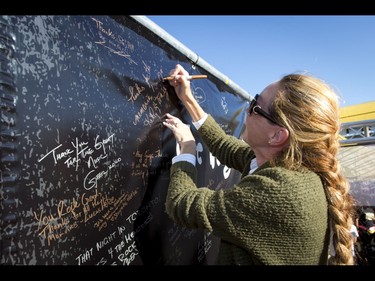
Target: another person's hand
column 182, row 133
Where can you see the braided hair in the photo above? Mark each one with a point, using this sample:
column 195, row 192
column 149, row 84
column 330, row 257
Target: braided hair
column 309, row 109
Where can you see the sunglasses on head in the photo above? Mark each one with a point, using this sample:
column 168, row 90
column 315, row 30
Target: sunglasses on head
column 256, row 109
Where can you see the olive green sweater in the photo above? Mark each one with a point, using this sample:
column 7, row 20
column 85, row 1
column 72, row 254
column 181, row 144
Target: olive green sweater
column 274, row 216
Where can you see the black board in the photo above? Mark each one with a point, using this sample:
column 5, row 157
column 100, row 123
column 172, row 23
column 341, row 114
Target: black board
column 84, row 159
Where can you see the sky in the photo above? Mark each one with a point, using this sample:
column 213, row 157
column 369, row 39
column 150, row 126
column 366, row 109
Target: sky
column 254, row 51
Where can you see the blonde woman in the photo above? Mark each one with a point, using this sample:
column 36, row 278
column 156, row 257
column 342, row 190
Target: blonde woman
column 292, row 199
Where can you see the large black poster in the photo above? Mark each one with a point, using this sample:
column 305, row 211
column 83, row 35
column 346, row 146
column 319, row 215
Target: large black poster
column 84, row 158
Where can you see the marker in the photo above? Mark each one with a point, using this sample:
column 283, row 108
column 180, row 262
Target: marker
column 190, row 77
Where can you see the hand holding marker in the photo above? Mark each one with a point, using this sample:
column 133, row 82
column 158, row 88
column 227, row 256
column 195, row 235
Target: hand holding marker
column 173, row 98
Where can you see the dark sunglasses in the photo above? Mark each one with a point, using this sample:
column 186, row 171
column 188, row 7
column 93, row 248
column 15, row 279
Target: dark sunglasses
column 254, row 107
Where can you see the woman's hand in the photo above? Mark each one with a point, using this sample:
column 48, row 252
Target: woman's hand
column 181, row 84
column 183, row 91
column 182, row 133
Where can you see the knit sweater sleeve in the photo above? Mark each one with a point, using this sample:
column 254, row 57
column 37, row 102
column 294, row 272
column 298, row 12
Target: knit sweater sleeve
column 228, row 149
column 185, row 203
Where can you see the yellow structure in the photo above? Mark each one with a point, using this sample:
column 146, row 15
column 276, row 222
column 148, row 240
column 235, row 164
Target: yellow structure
column 358, row 112
column 357, row 153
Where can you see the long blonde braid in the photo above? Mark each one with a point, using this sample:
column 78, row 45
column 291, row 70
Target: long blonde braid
column 309, row 109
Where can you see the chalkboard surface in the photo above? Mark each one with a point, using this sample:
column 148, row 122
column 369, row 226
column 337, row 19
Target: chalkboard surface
column 84, row 159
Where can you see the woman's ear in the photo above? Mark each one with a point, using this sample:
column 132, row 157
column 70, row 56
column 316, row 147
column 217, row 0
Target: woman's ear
column 280, row 138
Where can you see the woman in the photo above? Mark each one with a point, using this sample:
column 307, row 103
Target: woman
column 292, row 198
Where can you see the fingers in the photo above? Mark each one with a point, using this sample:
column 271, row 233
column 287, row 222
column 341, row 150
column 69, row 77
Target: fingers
column 179, row 73
column 171, row 121
column 182, row 133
